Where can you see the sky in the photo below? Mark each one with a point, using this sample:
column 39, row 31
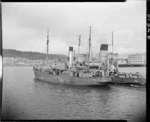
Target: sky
column 25, row 26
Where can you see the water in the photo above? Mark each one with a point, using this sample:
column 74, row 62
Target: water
column 26, row 98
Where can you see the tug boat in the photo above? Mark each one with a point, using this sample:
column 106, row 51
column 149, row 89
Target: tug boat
column 123, row 77
column 129, row 78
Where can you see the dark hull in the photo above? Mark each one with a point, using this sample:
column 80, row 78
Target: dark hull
column 132, row 65
column 65, row 78
column 134, row 81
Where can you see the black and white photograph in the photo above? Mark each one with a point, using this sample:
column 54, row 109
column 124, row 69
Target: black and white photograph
column 74, row 60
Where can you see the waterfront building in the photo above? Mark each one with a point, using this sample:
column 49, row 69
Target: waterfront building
column 139, row 59
column 122, row 56
column 37, row 62
column 25, row 61
column 8, row 60
column 122, row 61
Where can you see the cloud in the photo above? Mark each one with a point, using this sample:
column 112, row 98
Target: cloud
column 25, row 25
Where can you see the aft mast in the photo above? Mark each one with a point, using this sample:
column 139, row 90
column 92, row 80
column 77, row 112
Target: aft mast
column 89, row 47
column 79, row 46
column 112, row 42
column 112, row 53
column 47, row 44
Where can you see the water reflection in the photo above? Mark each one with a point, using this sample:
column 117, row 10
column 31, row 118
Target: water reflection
column 26, row 98
column 64, row 88
column 80, row 102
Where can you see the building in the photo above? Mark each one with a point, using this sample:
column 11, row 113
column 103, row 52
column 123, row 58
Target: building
column 8, row 60
column 139, row 59
column 122, row 61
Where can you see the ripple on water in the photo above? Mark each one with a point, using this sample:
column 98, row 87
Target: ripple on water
column 31, row 99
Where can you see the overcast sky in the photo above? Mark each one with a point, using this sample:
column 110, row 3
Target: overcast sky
column 25, row 26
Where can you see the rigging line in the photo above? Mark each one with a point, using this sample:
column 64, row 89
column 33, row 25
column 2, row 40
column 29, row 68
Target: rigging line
column 91, row 53
column 50, row 52
column 47, row 44
column 81, row 47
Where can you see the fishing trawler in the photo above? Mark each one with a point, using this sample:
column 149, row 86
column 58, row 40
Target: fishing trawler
column 71, row 73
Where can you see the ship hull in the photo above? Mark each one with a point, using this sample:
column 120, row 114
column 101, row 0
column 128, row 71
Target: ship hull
column 134, row 81
column 65, row 78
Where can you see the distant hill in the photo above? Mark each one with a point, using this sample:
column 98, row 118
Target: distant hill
column 31, row 55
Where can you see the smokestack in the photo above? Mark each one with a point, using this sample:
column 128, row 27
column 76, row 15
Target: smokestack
column 103, row 53
column 70, row 56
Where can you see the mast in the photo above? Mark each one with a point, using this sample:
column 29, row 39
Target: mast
column 47, row 43
column 112, row 42
column 111, row 54
column 79, row 46
column 89, row 46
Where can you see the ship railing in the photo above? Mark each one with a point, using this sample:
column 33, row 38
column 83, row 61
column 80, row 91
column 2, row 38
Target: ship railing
column 130, row 75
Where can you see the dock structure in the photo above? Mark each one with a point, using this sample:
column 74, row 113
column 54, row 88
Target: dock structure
column 129, row 78
column 132, row 65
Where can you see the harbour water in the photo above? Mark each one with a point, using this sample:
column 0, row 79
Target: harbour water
column 26, row 98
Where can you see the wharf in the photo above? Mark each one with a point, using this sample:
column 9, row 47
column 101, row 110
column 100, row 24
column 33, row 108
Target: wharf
column 128, row 78
column 132, row 65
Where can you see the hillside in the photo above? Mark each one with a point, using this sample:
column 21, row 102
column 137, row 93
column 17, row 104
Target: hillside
column 31, row 55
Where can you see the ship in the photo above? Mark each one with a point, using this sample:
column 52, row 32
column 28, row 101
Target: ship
column 124, row 78
column 74, row 73
column 129, row 79
column 68, row 72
